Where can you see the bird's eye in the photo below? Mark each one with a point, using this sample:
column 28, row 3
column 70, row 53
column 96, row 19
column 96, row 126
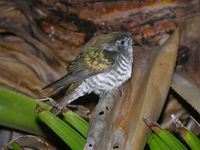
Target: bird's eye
column 122, row 42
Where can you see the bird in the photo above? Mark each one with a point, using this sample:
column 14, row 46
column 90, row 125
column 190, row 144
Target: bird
column 104, row 63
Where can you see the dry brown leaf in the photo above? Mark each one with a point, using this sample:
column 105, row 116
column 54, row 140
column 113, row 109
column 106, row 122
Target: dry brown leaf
column 172, row 107
column 22, row 69
column 31, row 142
column 187, row 90
column 147, row 20
column 186, row 80
column 13, row 21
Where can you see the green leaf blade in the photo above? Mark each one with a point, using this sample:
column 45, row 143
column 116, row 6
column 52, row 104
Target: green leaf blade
column 63, row 130
column 77, row 122
column 18, row 111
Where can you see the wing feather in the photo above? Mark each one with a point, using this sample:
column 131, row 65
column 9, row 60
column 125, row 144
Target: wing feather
column 87, row 64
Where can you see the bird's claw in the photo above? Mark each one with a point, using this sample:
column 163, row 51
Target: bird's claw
column 56, row 107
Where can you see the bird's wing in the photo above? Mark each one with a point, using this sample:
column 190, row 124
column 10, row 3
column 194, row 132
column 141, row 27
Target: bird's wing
column 87, row 64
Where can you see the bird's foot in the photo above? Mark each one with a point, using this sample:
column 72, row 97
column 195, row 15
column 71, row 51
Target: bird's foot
column 56, row 107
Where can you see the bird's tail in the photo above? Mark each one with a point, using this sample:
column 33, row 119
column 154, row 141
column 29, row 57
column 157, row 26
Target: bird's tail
column 62, row 82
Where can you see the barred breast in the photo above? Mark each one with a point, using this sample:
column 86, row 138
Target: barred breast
column 105, row 82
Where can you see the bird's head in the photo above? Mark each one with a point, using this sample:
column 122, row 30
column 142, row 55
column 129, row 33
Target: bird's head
column 117, row 41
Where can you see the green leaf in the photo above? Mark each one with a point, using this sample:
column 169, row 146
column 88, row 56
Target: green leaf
column 156, row 143
column 77, row 122
column 15, row 146
column 191, row 139
column 70, row 136
column 18, row 112
column 170, row 139
column 166, row 136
